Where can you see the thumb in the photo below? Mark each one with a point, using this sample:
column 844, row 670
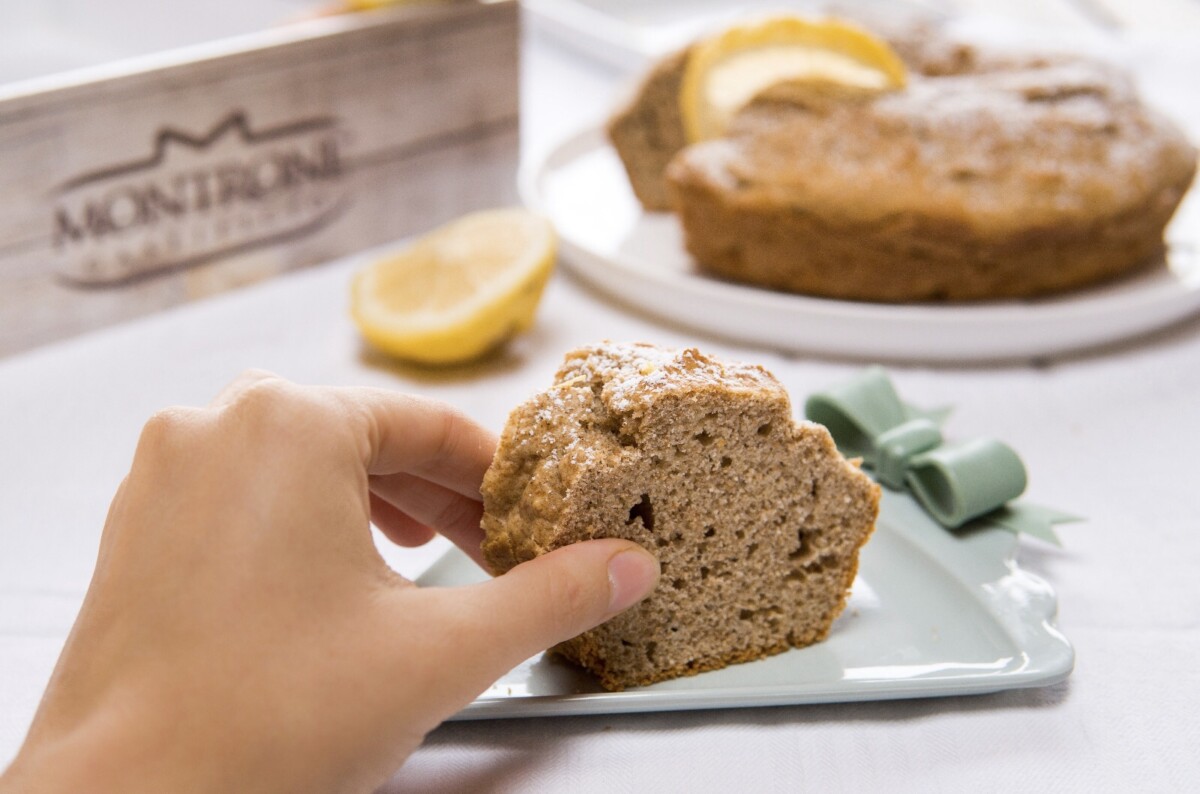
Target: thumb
column 559, row 595
column 546, row 600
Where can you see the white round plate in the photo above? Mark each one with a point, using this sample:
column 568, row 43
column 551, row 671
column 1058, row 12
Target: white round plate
column 639, row 259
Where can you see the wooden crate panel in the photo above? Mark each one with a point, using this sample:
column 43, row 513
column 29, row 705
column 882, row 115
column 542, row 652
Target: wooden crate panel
column 132, row 192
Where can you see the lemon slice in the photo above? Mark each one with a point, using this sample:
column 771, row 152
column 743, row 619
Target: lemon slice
column 726, row 71
column 460, row 290
column 367, row 5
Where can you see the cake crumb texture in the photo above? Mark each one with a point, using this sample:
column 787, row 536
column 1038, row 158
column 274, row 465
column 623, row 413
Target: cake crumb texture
column 756, row 519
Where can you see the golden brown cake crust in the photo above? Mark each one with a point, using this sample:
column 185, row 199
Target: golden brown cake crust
column 756, row 519
column 1002, row 184
column 648, row 131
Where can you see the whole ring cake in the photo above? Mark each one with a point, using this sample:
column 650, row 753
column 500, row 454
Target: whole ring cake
column 987, row 176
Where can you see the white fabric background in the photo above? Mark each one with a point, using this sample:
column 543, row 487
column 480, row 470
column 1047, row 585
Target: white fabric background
column 1112, row 434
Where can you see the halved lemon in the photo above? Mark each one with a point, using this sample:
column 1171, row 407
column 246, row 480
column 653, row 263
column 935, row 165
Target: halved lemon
column 728, row 70
column 460, row 290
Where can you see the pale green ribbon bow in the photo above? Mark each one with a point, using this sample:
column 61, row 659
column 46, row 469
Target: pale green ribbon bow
column 956, row 483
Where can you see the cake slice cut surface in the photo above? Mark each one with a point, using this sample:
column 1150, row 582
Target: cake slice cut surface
column 756, row 519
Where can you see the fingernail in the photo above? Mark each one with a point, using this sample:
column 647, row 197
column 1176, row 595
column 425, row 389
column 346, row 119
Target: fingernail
column 631, row 576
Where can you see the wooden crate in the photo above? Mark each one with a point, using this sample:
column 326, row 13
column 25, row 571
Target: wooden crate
column 127, row 189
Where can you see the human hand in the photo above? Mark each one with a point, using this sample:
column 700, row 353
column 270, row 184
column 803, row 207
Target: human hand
column 241, row 631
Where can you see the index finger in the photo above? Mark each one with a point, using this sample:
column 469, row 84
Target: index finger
column 415, row 435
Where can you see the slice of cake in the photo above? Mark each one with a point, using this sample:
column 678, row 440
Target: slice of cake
column 756, row 519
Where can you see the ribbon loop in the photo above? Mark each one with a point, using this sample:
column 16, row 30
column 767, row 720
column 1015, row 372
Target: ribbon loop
column 958, row 482
column 858, row 410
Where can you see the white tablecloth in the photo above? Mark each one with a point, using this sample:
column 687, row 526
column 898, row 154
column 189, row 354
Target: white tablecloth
column 1112, row 434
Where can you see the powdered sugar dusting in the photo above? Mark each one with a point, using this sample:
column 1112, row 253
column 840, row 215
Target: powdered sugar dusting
column 626, row 376
column 1043, row 139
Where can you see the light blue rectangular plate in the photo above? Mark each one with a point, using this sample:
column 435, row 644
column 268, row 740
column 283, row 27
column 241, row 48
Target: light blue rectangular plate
column 932, row 613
